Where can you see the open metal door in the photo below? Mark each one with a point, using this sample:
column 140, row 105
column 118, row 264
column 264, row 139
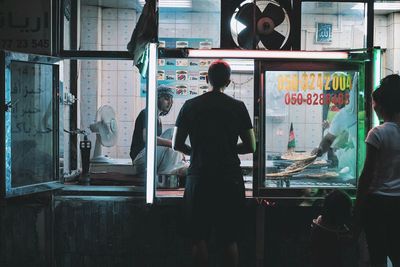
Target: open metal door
column 29, row 89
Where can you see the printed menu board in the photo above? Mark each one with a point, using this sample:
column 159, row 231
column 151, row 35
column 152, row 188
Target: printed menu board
column 187, row 77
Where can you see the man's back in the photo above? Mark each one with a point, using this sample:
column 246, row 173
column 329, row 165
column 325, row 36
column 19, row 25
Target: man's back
column 214, row 121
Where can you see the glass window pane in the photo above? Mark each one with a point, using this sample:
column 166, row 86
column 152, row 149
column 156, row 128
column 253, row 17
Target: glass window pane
column 333, row 25
column 197, row 26
column 187, row 79
column 108, row 25
column 104, row 25
column 110, row 98
column 302, row 109
column 31, row 123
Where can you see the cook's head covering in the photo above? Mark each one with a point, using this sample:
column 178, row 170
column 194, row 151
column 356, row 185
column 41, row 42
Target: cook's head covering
column 164, row 90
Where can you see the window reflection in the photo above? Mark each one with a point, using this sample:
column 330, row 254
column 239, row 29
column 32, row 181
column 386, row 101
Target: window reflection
column 31, row 123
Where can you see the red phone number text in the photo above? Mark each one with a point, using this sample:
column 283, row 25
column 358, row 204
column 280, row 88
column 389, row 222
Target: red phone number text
column 317, row 99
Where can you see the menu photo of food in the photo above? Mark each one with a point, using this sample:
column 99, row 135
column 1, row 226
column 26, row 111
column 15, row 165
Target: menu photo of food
column 182, row 44
column 160, row 75
column 203, row 75
column 169, row 75
column 182, row 62
column 193, row 90
column 193, row 76
column 181, row 89
column 205, row 62
column 203, row 88
column 170, row 62
column 194, row 63
column 161, row 62
column 205, row 45
column 181, row 75
column 161, row 44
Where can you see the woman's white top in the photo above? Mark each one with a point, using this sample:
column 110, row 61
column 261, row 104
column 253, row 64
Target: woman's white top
column 386, row 139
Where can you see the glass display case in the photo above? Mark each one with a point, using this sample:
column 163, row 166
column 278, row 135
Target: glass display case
column 305, row 112
column 309, row 114
column 313, row 125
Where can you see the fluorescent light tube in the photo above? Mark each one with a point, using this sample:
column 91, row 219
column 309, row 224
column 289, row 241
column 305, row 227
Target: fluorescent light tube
column 151, row 123
column 379, row 6
column 220, row 53
column 171, row 3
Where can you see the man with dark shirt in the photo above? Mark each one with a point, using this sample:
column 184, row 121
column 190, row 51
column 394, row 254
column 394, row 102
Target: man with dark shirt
column 167, row 159
column 214, row 193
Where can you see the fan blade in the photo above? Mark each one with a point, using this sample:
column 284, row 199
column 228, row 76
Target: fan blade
column 248, row 14
column 272, row 41
column 274, row 12
column 247, row 39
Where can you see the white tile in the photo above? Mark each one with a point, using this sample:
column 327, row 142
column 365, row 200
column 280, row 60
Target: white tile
column 90, row 31
column 314, row 114
column 167, row 17
column 125, row 30
column 183, row 30
column 345, row 40
column 125, row 65
column 247, row 92
column 109, row 83
column 166, row 30
column 89, row 64
column 89, row 82
column 123, row 152
column 139, row 105
column 269, row 137
column 396, row 60
column 109, row 48
column 109, row 100
column 89, row 46
column 89, row 12
column 126, row 83
column 389, row 56
column 125, row 108
column 380, row 21
column 396, row 18
column 125, row 130
column 126, row 14
column 109, row 65
column 198, row 17
column 396, row 32
column 313, row 135
column 109, row 151
column 279, row 138
column 380, row 36
column 183, row 18
column 110, row 14
column 109, row 32
column 297, row 113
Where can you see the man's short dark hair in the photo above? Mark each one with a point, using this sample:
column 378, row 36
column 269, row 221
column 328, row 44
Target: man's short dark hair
column 337, row 208
column 164, row 90
column 219, row 74
column 387, row 95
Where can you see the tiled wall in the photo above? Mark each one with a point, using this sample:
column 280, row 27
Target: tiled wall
column 116, row 83
column 347, row 32
column 387, row 28
column 190, row 24
column 109, row 82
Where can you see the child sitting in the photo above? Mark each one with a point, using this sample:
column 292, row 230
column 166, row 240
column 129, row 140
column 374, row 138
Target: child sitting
column 330, row 236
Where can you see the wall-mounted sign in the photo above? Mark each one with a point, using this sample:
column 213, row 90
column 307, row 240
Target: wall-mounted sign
column 26, row 26
column 323, row 33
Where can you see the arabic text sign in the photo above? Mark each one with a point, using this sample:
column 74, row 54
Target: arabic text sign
column 25, row 26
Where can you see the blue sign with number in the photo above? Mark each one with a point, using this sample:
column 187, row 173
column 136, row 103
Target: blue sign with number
column 324, row 33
